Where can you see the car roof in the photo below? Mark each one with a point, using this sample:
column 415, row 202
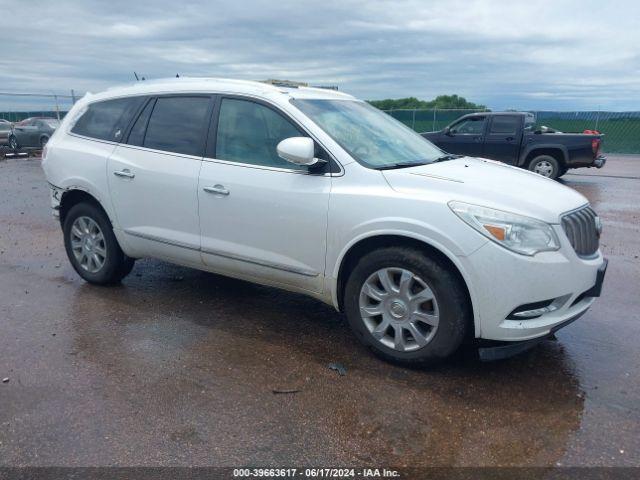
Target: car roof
column 217, row 85
column 484, row 114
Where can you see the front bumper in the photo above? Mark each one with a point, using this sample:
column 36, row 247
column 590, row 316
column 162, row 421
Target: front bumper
column 501, row 282
column 509, row 349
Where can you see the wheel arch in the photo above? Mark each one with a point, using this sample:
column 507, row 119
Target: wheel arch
column 559, row 152
column 73, row 196
column 362, row 246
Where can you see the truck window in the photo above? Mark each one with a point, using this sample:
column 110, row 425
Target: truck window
column 469, row 126
column 505, row 124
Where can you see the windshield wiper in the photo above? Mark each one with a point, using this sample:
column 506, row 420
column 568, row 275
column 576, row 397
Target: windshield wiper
column 448, row 156
column 402, row 165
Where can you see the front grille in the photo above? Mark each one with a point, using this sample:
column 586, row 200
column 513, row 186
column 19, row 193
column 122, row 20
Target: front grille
column 582, row 231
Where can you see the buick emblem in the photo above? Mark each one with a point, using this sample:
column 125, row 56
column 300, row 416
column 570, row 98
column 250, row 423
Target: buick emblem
column 598, row 226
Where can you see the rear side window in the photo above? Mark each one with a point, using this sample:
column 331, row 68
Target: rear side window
column 136, row 136
column 177, row 124
column 502, row 124
column 107, row 120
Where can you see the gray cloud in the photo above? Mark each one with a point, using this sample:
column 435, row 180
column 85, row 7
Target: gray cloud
column 543, row 54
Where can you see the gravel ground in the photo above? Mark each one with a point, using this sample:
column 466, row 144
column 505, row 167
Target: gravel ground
column 178, row 367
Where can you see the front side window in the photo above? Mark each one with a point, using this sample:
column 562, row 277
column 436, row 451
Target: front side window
column 469, row 126
column 249, row 132
column 369, row 135
column 505, row 124
column 177, row 124
column 107, row 120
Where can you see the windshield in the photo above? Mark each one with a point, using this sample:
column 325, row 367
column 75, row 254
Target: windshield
column 372, row 137
column 52, row 122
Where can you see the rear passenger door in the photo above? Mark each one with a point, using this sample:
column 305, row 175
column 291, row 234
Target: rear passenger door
column 504, row 138
column 153, row 177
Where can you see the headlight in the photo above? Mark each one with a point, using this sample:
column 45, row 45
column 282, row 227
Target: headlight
column 517, row 233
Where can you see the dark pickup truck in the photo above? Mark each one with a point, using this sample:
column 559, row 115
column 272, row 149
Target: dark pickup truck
column 512, row 137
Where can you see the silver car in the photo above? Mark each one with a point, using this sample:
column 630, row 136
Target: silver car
column 32, row 132
column 5, row 132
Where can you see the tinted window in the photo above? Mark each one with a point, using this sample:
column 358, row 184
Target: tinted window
column 249, row 133
column 136, row 136
column 107, row 120
column 4, row 126
column 505, row 124
column 469, row 126
column 177, row 125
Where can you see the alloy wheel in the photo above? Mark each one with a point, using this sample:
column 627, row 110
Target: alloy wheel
column 88, row 244
column 399, row 309
column 544, row 168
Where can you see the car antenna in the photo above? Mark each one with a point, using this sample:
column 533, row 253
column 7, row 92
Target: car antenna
column 136, row 75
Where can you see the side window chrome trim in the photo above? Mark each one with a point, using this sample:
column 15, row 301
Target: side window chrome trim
column 160, row 152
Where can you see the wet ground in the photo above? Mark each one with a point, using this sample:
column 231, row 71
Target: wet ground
column 178, row 367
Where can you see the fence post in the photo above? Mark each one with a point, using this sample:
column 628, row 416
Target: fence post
column 413, row 120
column 433, row 128
column 597, row 118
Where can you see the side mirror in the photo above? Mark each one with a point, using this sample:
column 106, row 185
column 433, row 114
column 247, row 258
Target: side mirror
column 447, row 131
column 298, row 150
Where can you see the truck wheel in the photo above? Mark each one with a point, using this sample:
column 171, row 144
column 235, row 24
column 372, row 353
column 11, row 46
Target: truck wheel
column 545, row 165
column 406, row 307
column 92, row 247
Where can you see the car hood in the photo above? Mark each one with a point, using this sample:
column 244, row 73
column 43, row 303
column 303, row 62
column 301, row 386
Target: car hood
column 488, row 183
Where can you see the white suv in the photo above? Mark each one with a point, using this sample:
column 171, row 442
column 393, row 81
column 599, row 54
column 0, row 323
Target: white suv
column 314, row 191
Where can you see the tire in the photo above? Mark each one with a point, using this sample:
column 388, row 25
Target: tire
column 562, row 171
column 545, row 165
column 13, row 143
column 93, row 234
column 43, row 141
column 449, row 304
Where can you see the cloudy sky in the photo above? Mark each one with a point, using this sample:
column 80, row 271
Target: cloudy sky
column 532, row 54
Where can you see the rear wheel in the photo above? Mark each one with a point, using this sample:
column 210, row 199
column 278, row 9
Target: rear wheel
column 545, row 165
column 92, row 247
column 406, row 307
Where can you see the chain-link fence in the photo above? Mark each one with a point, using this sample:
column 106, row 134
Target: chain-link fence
column 621, row 129
column 15, row 107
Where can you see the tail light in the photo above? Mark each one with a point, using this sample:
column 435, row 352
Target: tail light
column 595, row 146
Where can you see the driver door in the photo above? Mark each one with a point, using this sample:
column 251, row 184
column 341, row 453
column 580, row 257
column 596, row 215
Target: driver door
column 466, row 137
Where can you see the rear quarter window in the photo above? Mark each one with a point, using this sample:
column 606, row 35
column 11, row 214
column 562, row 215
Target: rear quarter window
column 107, row 120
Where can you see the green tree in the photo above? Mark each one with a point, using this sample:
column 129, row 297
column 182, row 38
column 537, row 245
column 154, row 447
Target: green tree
column 440, row 102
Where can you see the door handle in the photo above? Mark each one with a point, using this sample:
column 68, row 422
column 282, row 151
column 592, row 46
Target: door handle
column 217, row 189
column 509, row 139
column 126, row 173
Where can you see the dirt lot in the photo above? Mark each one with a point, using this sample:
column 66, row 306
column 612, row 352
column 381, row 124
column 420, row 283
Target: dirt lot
column 178, row 367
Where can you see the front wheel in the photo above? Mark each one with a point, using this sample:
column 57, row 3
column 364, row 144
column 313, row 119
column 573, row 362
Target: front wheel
column 92, row 247
column 406, row 307
column 545, row 165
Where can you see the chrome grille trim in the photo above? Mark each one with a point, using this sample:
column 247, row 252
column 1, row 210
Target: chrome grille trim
column 582, row 231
